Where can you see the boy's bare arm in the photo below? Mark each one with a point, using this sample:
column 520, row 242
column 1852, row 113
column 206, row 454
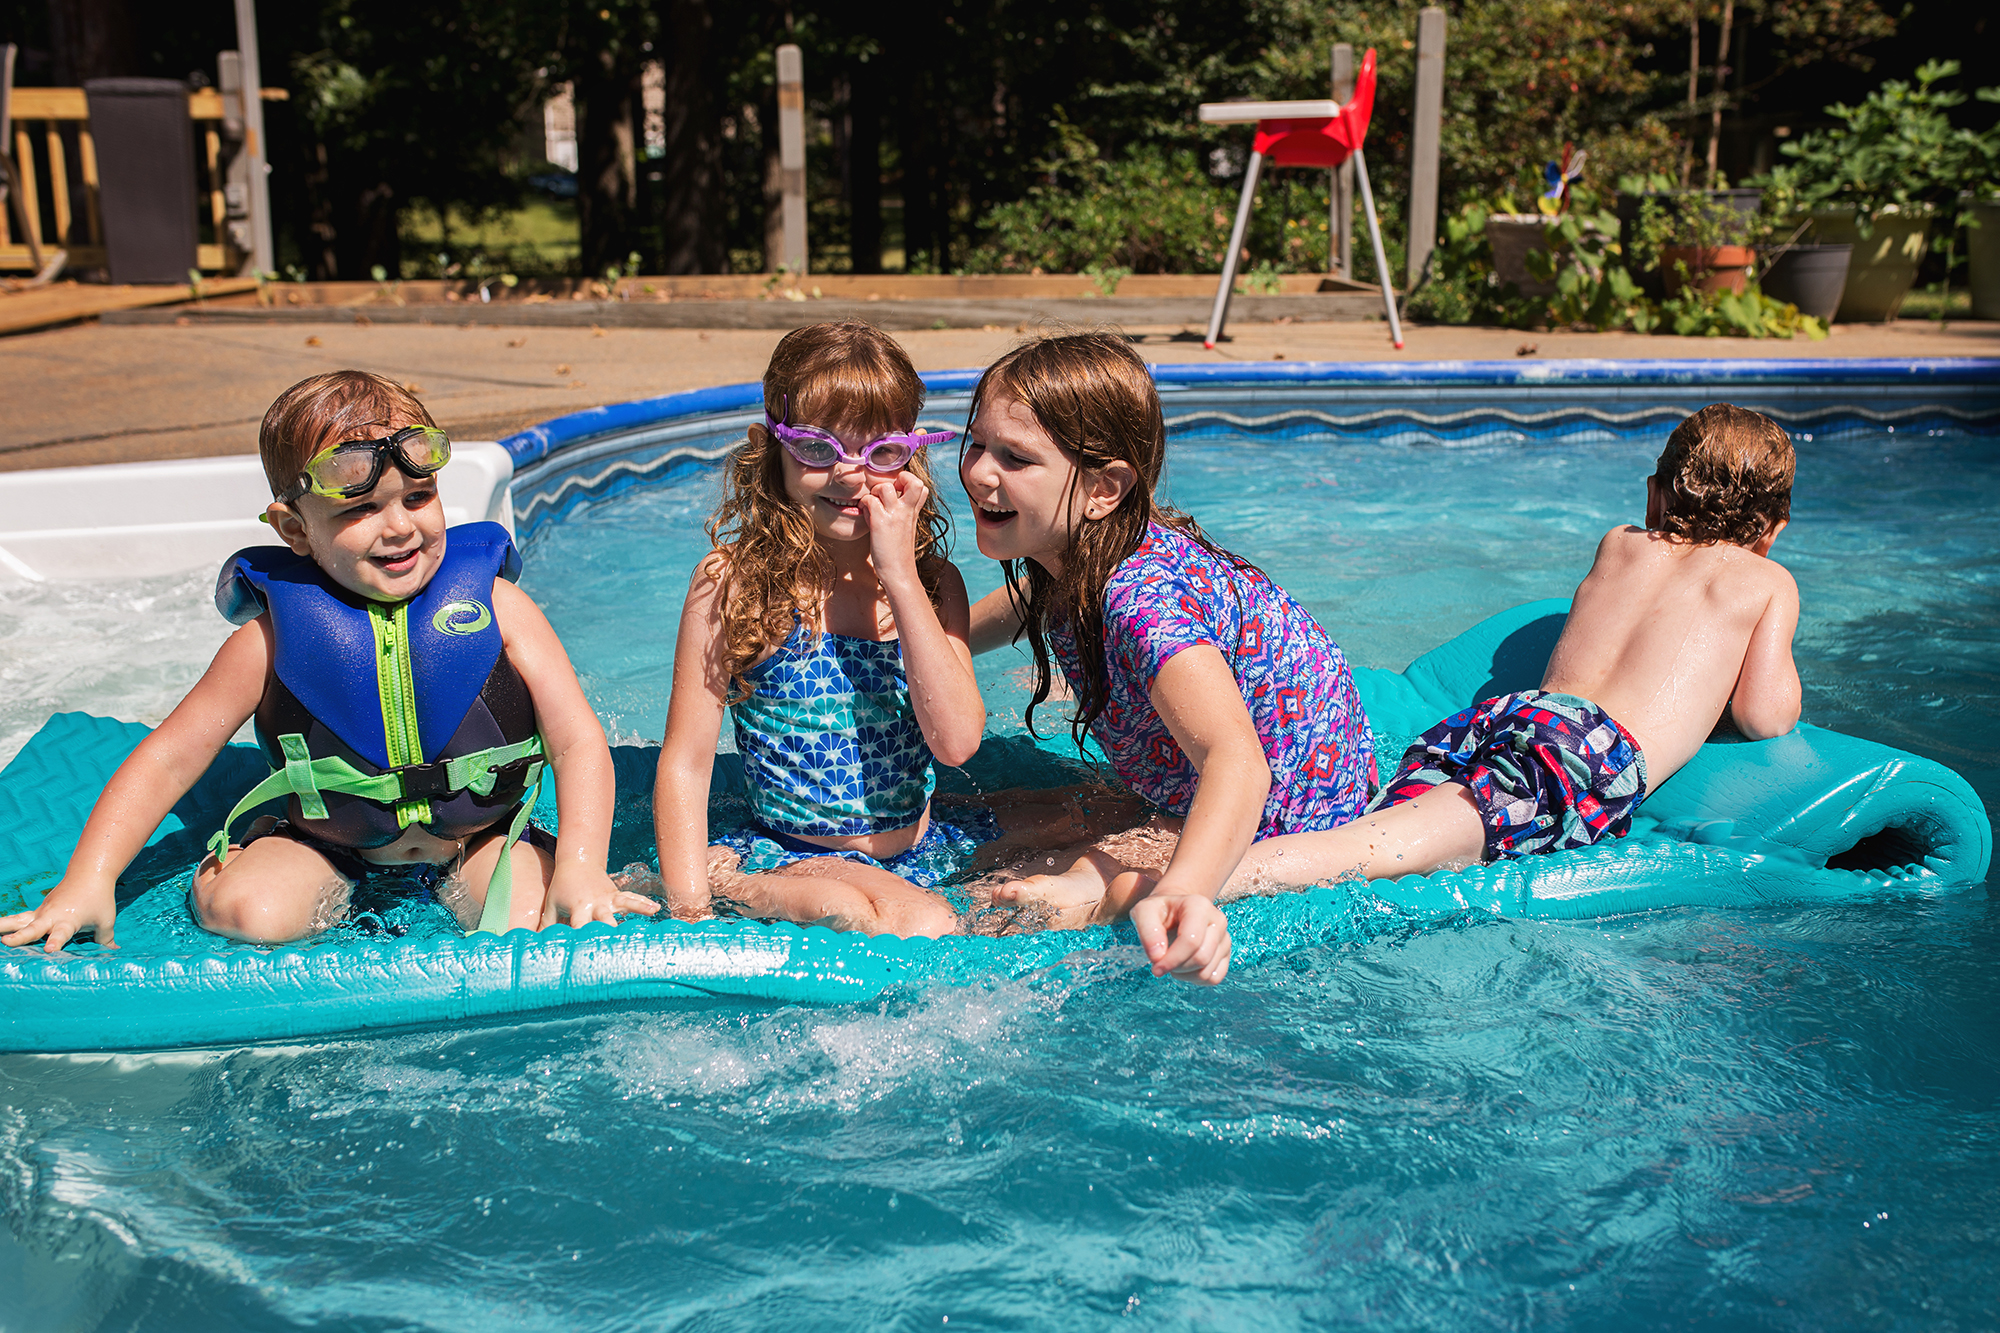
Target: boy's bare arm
column 586, row 789
column 1767, row 698
column 145, row 787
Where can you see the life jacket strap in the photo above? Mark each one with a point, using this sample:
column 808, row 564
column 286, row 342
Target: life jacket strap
column 306, row 778
column 500, row 886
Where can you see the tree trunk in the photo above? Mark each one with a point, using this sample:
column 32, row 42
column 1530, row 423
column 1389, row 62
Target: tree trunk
column 607, row 108
column 692, row 224
column 864, row 170
column 774, row 178
column 93, row 39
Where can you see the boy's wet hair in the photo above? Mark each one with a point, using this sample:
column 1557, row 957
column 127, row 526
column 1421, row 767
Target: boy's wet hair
column 328, row 409
column 1725, row 476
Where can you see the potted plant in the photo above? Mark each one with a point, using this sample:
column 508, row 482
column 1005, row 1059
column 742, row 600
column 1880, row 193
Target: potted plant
column 1879, row 178
column 1675, row 239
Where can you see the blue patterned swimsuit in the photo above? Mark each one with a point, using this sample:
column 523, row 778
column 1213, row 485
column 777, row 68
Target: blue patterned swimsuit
column 831, row 746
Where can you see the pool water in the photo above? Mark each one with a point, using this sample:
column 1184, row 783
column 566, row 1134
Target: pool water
column 1770, row 1119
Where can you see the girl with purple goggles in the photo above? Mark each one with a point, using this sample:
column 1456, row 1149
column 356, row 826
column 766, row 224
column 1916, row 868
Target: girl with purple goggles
column 813, row 447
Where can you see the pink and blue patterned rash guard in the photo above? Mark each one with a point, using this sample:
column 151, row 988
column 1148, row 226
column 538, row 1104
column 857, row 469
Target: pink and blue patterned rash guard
column 1170, row 595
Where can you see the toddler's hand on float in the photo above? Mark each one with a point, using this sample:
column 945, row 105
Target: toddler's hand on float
column 893, row 505
column 580, row 896
column 1185, row 934
column 71, row 908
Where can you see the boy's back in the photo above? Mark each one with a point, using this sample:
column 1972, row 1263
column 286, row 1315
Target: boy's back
column 1666, row 636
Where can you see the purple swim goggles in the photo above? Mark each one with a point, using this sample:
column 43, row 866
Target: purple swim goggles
column 814, row 447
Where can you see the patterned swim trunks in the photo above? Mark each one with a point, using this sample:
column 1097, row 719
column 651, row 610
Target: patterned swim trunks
column 944, row 848
column 1547, row 772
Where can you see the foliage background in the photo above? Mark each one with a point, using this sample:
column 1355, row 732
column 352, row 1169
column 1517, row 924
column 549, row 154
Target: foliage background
column 1002, row 135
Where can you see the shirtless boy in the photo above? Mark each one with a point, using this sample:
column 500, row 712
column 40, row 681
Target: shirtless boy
column 1679, row 625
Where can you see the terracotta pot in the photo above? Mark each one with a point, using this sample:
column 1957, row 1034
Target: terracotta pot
column 1884, row 265
column 1711, row 268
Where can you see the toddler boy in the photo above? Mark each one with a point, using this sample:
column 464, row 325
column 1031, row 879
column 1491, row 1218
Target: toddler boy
column 406, row 693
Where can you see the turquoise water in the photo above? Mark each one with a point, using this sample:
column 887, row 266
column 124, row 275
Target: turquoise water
column 1776, row 1119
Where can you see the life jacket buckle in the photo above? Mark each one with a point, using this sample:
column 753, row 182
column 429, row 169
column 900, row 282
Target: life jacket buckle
column 422, row 781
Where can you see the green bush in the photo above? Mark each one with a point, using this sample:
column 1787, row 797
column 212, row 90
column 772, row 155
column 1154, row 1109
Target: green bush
column 1594, row 286
column 1151, row 210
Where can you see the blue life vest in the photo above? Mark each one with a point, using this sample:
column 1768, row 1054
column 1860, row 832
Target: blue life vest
column 401, row 689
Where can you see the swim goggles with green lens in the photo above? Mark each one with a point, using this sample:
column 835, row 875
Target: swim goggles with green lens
column 351, row 469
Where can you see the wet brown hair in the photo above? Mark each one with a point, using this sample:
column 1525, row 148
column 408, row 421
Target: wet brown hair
column 847, row 378
column 315, row 412
column 1095, row 398
column 1725, row 476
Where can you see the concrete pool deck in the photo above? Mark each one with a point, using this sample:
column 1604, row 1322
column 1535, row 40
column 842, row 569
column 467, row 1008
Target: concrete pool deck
column 95, row 393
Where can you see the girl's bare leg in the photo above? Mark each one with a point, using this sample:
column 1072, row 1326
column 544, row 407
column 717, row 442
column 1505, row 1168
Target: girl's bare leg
column 1101, row 881
column 842, row 895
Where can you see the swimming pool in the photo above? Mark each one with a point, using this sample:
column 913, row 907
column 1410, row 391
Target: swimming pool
column 1775, row 1118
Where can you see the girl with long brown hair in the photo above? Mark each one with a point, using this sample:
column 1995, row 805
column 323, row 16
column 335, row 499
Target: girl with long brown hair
column 1214, row 694
column 829, row 623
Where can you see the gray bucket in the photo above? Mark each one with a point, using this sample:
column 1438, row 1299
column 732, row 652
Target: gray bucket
column 1811, row 277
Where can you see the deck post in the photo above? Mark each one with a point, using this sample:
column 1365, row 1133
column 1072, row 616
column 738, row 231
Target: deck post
column 1340, row 229
column 263, row 257
column 1426, row 131
column 792, row 155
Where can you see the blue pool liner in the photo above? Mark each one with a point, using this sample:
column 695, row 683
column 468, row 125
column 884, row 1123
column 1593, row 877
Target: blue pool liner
column 1815, row 816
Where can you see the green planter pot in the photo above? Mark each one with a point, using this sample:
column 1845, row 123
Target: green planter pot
column 1983, row 254
column 1884, row 264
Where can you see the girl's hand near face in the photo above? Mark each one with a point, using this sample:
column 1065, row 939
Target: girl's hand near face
column 894, row 505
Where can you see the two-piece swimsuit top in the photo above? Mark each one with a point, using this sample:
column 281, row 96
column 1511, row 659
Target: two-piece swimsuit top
column 830, row 742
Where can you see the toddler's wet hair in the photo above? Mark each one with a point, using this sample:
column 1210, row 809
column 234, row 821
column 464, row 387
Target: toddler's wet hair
column 1725, row 476
column 328, row 409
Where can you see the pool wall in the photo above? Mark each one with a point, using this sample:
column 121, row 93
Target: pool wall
column 598, row 453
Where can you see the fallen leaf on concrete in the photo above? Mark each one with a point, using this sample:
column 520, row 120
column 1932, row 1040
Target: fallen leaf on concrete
column 313, row 341
column 596, row 332
column 1526, row 349
column 413, row 388
column 576, row 384
column 517, row 342
column 562, row 369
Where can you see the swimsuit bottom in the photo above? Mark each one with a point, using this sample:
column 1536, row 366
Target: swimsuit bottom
column 939, row 854
column 357, row 872
column 1547, row 772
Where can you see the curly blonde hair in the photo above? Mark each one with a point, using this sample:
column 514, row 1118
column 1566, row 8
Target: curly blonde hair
column 850, row 378
column 1725, row 476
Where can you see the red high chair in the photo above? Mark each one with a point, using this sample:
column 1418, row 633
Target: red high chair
column 1302, row 134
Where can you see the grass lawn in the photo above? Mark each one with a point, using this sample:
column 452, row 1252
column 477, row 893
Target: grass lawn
column 539, row 238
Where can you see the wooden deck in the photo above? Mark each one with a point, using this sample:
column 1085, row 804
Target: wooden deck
column 67, row 302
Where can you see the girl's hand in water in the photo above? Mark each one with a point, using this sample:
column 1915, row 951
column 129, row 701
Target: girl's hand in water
column 1184, row 934
column 893, row 504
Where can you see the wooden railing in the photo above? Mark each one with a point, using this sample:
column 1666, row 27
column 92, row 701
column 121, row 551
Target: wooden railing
column 46, row 175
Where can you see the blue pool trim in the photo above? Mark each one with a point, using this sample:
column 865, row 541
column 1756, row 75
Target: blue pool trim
column 539, row 441
column 593, row 455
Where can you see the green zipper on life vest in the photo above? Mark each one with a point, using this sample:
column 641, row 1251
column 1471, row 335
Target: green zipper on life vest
column 396, row 685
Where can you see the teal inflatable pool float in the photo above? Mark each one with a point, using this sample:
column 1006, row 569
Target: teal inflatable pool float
column 1813, row 816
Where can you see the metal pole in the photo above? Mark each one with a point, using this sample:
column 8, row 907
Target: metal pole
column 1340, row 229
column 263, row 258
column 1221, row 311
column 1427, row 130
column 792, row 154
column 1381, row 260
